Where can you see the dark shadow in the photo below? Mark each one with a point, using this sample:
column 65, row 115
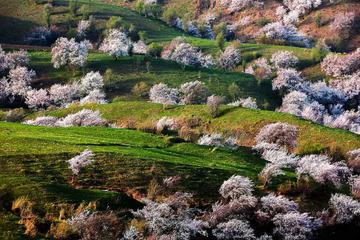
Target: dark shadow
column 14, row 30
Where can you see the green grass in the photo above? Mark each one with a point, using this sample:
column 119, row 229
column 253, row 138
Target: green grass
column 244, row 123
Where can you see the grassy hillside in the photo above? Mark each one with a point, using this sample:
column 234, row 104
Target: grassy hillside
column 243, row 123
column 127, row 71
column 39, row 152
column 33, row 164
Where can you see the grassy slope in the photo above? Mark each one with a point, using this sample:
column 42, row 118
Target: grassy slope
column 33, row 164
column 244, row 123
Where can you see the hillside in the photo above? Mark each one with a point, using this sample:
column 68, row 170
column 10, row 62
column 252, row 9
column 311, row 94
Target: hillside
column 257, row 17
column 233, row 121
column 179, row 119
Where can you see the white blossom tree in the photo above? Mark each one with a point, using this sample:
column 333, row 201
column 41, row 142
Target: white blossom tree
column 272, row 205
column 62, row 95
column 80, row 161
column 194, row 93
column 230, row 58
column 116, row 44
column 91, row 81
column 161, row 93
column 37, row 98
column 47, row 121
column 67, row 52
column 18, row 82
column 284, row 59
column 340, row 65
column 95, row 96
column 289, row 80
column 83, row 28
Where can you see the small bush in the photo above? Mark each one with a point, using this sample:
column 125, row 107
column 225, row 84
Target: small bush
column 154, row 50
column 318, row 21
column 15, row 115
column 262, row 21
column 141, row 89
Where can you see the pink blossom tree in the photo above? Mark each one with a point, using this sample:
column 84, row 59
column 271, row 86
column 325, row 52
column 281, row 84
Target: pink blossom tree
column 37, row 99
column 282, row 134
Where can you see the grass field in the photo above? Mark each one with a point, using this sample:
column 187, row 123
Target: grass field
column 243, row 123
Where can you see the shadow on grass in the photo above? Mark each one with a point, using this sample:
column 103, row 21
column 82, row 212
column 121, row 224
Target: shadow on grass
column 13, row 30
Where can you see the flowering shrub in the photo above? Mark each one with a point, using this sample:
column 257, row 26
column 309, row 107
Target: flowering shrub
column 348, row 120
column 84, row 117
column 286, row 32
column 166, row 123
column 213, row 104
column 237, row 5
column 43, row 121
column 245, row 103
column 343, row 208
column 343, row 23
column 234, row 229
column 69, row 52
column 347, row 85
column 116, row 44
column 294, row 225
column 16, row 58
column 172, row 218
column 140, row 47
column 184, row 53
column 288, row 79
column 223, row 211
column 18, row 82
column 61, row 95
column 272, row 205
column 83, row 27
column 355, row 186
column 95, row 96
